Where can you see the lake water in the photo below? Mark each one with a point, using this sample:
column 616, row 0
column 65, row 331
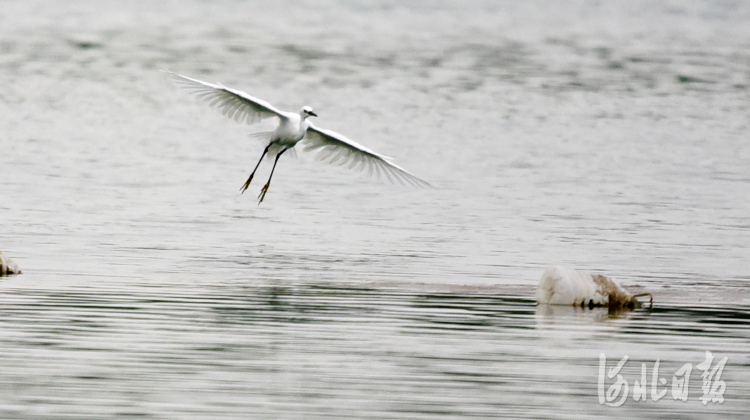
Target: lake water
column 607, row 136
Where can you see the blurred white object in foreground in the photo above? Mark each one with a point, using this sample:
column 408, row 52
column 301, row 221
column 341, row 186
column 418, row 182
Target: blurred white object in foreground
column 566, row 286
column 8, row 266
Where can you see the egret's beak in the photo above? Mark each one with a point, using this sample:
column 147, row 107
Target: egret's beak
column 312, row 114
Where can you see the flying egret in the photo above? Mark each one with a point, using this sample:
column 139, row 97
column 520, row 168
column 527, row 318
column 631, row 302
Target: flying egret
column 292, row 128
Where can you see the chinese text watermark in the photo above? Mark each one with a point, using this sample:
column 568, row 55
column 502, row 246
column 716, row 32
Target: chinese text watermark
column 713, row 387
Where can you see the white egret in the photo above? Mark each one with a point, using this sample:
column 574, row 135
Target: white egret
column 292, row 128
column 566, row 286
column 8, row 266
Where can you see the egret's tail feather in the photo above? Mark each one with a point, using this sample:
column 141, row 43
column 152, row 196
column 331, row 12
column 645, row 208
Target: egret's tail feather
column 262, row 135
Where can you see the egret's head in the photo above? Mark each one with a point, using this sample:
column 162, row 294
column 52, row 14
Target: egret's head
column 306, row 111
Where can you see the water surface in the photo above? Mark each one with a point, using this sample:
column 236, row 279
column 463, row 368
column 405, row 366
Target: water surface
column 604, row 136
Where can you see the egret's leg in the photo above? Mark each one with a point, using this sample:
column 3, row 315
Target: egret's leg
column 651, row 298
column 249, row 180
column 265, row 187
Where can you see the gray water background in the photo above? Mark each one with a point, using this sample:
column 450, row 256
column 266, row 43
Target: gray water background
column 607, row 136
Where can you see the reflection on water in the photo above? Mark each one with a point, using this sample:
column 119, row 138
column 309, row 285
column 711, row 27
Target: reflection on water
column 325, row 351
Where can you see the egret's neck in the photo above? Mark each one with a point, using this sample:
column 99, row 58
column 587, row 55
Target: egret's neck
column 303, row 123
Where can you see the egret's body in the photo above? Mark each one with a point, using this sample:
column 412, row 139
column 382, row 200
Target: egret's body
column 293, row 128
column 566, row 286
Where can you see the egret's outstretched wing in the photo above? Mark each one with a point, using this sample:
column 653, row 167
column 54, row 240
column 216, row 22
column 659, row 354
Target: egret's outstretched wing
column 232, row 103
column 337, row 149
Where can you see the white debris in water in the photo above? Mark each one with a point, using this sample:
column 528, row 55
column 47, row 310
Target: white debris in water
column 566, row 286
column 8, row 266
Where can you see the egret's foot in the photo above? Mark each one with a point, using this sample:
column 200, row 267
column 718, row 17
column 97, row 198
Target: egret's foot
column 262, row 194
column 247, row 184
